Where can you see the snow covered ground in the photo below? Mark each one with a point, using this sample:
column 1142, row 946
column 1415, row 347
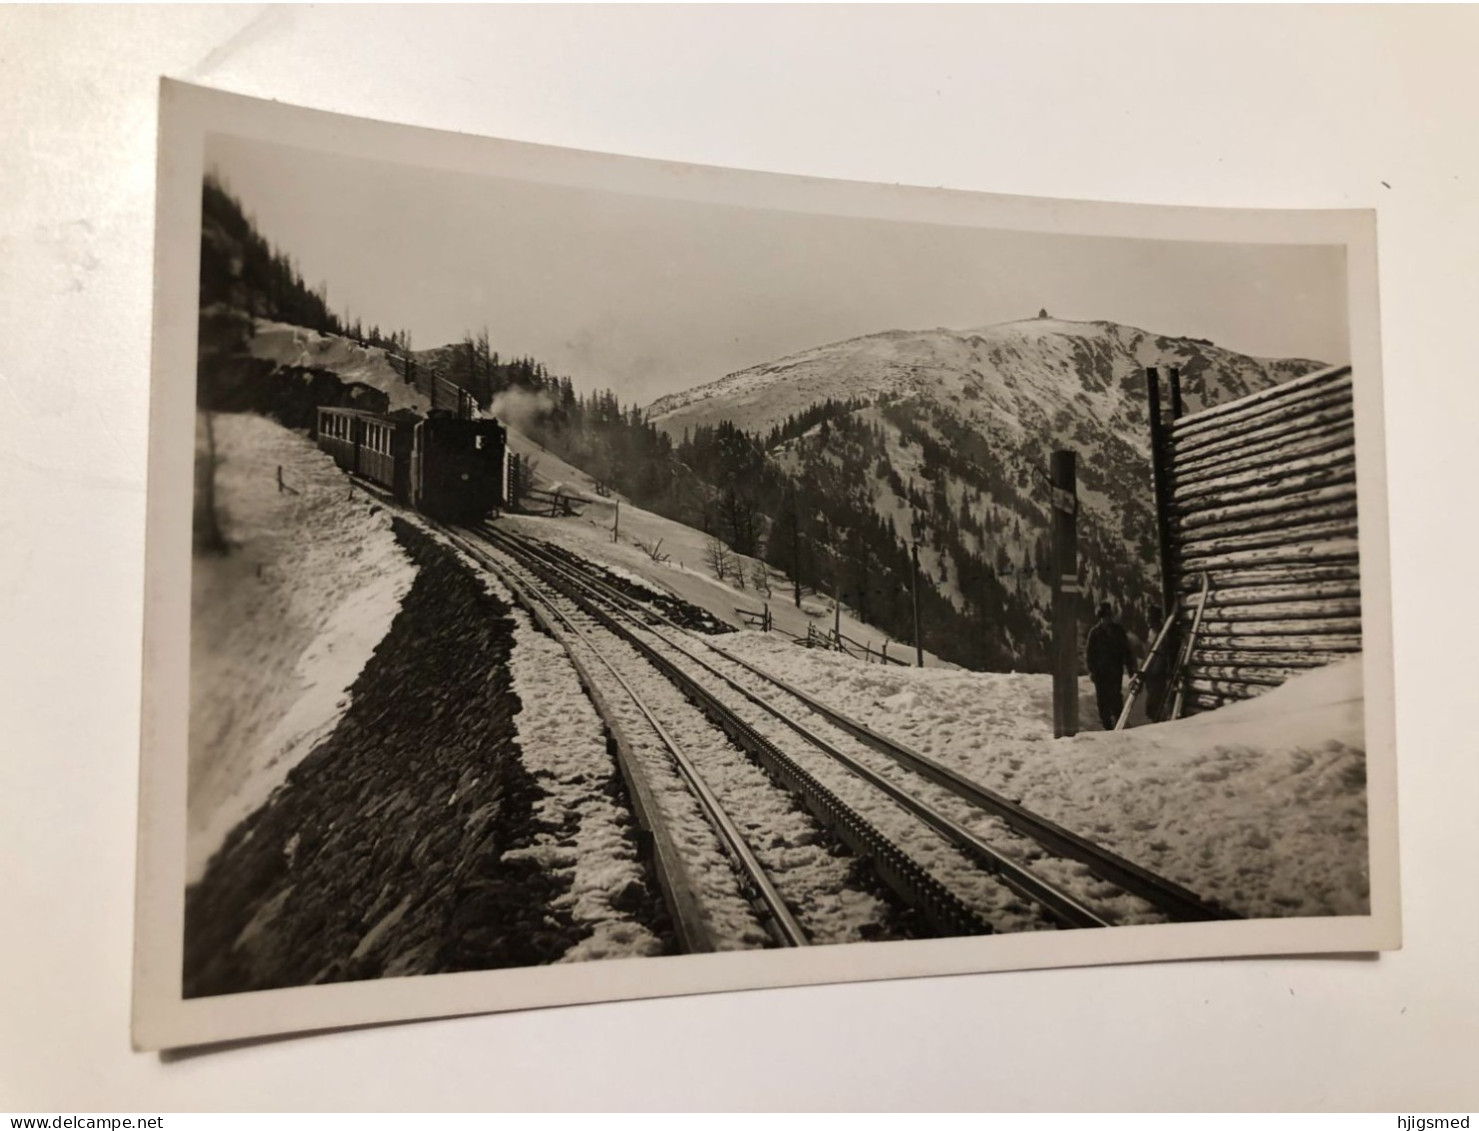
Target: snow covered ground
column 684, row 573
column 282, row 625
column 1261, row 805
column 815, row 882
column 368, row 365
column 562, row 743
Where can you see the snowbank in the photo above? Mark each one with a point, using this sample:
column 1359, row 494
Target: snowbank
column 1261, row 805
column 281, row 626
column 587, row 835
column 368, row 365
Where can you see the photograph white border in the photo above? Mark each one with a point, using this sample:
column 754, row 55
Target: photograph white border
column 162, row 1018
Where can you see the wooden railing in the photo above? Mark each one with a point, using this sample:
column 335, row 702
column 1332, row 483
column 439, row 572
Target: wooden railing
column 534, row 500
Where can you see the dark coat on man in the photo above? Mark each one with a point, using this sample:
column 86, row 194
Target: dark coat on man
column 1109, row 658
column 1108, row 652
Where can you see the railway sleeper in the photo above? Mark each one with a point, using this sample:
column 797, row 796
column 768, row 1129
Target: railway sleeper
column 945, row 912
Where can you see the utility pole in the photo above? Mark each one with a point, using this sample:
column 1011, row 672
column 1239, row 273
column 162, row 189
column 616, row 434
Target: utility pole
column 914, row 591
column 1064, row 478
column 832, row 565
column 836, row 614
column 616, row 526
column 795, row 549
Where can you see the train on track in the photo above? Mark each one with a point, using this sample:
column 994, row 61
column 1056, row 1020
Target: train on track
column 446, row 466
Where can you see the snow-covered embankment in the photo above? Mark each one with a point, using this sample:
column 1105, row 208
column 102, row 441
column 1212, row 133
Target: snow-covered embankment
column 585, row 836
column 352, row 363
column 282, row 625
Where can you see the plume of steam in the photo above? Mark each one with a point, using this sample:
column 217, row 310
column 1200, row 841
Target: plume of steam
column 519, row 408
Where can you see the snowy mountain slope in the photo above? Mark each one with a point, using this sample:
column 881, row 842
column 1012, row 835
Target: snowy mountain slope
column 681, row 570
column 1011, row 368
column 953, row 442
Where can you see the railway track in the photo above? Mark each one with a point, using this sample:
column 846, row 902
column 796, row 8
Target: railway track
column 969, row 816
column 639, row 707
column 705, row 916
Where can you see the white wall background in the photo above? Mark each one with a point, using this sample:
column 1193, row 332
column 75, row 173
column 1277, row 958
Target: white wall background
column 1257, row 106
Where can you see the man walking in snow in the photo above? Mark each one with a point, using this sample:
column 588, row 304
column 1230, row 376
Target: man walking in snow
column 1110, row 658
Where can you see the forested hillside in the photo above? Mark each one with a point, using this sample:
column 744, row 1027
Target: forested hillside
column 241, row 271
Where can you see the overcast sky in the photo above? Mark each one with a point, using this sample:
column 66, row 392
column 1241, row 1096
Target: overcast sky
column 651, row 296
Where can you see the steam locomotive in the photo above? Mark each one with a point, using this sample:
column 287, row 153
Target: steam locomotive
column 443, row 465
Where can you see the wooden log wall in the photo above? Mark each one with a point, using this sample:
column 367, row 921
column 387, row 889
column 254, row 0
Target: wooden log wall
column 1260, row 494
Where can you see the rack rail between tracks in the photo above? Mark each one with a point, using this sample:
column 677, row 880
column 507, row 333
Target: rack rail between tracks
column 945, row 912
column 1175, row 901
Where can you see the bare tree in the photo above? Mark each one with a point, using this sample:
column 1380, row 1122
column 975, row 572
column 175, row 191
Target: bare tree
column 652, row 549
column 718, row 558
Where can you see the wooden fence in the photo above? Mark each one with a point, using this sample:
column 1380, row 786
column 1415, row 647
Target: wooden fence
column 831, row 639
column 1259, row 496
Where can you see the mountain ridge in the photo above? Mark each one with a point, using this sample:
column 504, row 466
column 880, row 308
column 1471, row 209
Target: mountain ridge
column 668, row 411
column 940, row 440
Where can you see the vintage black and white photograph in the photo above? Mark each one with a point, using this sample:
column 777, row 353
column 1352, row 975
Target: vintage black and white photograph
column 594, row 564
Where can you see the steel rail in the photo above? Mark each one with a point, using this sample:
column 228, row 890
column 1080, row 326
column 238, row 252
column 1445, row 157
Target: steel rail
column 944, row 910
column 1069, row 911
column 787, row 930
column 1177, row 902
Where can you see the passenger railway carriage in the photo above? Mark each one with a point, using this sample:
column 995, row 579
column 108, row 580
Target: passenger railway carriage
column 445, row 466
